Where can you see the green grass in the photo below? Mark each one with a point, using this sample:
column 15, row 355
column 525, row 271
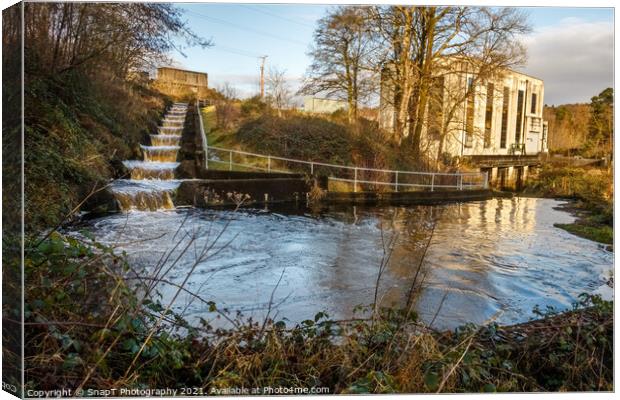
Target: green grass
column 227, row 139
column 598, row 233
column 216, row 136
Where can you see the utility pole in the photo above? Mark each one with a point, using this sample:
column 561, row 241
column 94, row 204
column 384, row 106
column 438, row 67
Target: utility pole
column 262, row 76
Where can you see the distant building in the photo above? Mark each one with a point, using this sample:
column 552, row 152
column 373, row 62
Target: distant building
column 500, row 116
column 182, row 83
column 323, row 106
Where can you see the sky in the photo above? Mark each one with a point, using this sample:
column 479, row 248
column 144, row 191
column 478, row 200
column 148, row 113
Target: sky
column 571, row 49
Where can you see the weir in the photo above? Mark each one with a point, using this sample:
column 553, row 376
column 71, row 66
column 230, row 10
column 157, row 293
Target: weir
column 170, row 130
column 152, row 181
column 165, row 140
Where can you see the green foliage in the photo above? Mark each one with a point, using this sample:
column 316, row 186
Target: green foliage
column 600, row 126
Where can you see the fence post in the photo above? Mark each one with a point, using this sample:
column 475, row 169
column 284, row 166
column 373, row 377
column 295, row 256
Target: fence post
column 486, row 179
column 230, row 160
column 460, row 182
column 432, row 182
column 355, row 180
column 268, row 163
column 311, row 168
column 397, row 181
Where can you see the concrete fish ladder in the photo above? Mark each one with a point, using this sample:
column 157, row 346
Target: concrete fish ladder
column 152, row 181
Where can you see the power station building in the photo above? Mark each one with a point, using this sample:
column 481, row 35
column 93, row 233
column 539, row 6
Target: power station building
column 496, row 122
column 497, row 116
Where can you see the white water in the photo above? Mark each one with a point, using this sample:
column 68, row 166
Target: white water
column 152, row 182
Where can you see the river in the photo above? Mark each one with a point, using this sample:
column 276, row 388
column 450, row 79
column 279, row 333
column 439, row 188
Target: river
column 491, row 260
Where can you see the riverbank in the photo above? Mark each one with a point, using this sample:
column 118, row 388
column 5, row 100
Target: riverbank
column 590, row 192
column 587, row 224
column 124, row 342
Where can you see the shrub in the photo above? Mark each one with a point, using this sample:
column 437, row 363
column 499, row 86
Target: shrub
column 592, row 186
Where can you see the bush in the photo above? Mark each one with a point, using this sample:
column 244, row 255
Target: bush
column 591, row 186
column 319, row 139
column 253, row 107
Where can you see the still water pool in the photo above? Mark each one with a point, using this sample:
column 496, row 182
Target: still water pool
column 489, row 260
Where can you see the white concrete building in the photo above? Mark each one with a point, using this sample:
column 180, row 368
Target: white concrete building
column 323, row 106
column 499, row 116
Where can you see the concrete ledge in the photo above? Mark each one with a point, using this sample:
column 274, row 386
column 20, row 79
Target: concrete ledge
column 192, row 170
column 219, row 174
column 404, row 198
column 222, row 192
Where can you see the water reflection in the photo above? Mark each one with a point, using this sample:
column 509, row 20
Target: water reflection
column 494, row 259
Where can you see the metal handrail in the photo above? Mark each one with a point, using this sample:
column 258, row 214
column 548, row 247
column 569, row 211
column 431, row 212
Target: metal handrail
column 322, row 164
column 396, row 184
column 460, row 177
column 205, row 144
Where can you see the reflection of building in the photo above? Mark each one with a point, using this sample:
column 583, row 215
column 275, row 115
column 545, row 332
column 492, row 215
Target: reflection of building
column 501, row 115
column 181, row 83
column 323, row 106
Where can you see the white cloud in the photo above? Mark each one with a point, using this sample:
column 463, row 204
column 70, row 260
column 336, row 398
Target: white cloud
column 573, row 57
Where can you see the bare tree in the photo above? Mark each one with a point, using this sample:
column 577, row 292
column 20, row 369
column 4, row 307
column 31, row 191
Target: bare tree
column 422, row 43
column 225, row 105
column 278, row 89
column 341, row 52
column 117, row 37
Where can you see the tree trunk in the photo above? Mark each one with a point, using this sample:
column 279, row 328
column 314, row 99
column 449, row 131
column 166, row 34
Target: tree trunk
column 406, row 73
column 424, row 78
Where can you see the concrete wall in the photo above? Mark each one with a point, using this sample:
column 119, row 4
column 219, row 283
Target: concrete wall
column 180, row 83
column 323, row 106
column 407, row 198
column 202, row 193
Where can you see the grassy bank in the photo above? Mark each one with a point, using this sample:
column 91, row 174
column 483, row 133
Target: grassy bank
column 106, row 336
column 77, row 132
column 253, row 126
column 591, row 190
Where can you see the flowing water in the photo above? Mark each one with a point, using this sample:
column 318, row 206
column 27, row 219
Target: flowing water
column 152, row 182
column 488, row 260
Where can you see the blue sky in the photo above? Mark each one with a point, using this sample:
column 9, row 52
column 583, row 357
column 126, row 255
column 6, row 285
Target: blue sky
column 570, row 48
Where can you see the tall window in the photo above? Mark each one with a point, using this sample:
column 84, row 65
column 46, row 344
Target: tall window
column 469, row 115
column 519, row 116
column 534, row 100
column 488, row 118
column 505, row 105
